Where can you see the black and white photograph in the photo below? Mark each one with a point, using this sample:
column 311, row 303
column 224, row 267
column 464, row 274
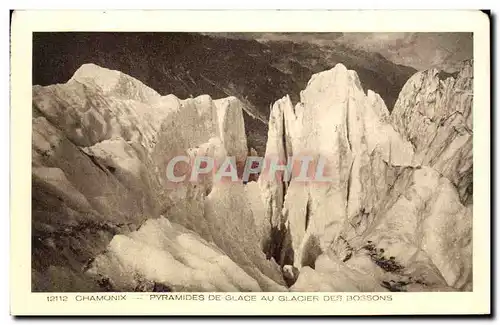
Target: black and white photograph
column 391, row 112
column 316, row 166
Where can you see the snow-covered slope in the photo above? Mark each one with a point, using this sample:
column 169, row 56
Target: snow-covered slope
column 163, row 254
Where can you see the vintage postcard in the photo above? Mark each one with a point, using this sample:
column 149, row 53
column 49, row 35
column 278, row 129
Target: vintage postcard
column 250, row 163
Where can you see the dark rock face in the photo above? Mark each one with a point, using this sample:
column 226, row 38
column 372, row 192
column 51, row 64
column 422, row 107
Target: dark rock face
column 189, row 65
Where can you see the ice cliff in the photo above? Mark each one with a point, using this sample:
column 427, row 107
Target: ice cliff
column 392, row 216
column 101, row 143
column 434, row 112
column 397, row 214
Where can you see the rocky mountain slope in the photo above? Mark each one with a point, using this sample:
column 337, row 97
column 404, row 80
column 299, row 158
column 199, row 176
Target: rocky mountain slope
column 396, row 215
column 256, row 73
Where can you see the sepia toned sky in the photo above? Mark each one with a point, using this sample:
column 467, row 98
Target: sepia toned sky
column 418, row 50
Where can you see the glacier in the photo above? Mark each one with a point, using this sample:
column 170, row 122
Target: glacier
column 397, row 215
